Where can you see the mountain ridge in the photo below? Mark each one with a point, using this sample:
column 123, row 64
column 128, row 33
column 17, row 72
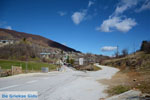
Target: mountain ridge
column 5, row 33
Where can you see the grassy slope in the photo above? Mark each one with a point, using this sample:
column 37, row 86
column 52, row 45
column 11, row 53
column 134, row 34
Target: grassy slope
column 6, row 64
column 137, row 69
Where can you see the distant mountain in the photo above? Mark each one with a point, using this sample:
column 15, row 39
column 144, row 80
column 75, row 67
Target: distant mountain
column 11, row 34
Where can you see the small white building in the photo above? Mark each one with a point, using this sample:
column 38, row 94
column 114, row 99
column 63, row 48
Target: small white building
column 45, row 55
column 81, row 60
column 6, row 42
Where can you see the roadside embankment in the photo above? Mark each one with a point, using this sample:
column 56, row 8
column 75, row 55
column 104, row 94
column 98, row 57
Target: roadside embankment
column 134, row 74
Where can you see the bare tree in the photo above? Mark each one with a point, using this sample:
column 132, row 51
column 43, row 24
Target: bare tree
column 124, row 52
column 117, row 54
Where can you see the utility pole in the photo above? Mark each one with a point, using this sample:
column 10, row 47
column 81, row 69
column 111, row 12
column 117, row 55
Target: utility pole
column 117, row 51
column 26, row 63
column 32, row 68
column 26, row 67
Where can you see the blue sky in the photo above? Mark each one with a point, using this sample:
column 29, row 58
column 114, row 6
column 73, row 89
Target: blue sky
column 95, row 26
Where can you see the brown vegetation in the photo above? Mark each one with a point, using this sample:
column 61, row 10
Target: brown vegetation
column 145, row 46
column 21, row 51
column 88, row 68
column 36, row 39
column 134, row 71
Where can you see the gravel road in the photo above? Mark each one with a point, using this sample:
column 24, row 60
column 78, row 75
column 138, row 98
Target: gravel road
column 66, row 84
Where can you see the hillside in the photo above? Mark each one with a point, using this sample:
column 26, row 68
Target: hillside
column 11, row 34
column 134, row 61
column 134, row 72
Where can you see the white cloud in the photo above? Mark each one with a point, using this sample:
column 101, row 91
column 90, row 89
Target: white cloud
column 145, row 6
column 107, row 24
column 61, row 13
column 109, row 48
column 77, row 17
column 90, row 3
column 116, row 21
column 8, row 27
column 123, row 25
column 125, row 5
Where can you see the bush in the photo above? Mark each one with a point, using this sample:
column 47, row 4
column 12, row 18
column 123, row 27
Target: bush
column 145, row 46
column 22, row 51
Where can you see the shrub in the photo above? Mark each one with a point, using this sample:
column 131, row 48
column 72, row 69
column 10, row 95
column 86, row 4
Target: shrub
column 145, row 46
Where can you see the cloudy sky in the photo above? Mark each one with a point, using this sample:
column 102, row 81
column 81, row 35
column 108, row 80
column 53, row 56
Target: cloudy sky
column 96, row 26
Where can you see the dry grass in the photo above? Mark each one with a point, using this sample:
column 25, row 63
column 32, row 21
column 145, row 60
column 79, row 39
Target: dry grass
column 134, row 72
column 88, row 67
column 118, row 84
column 117, row 79
column 118, row 89
column 123, row 81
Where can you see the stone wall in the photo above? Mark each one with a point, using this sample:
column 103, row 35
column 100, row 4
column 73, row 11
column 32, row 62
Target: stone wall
column 16, row 70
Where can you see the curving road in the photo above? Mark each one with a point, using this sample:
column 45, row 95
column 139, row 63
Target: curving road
column 64, row 85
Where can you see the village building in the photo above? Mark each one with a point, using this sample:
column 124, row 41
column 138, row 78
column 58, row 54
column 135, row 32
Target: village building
column 6, row 42
column 45, row 55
